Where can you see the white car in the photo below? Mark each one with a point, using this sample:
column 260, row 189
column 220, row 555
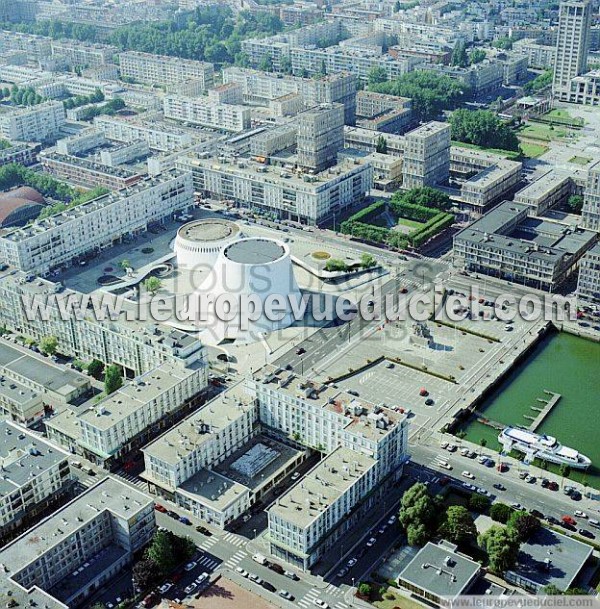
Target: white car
column 319, row 603
column 580, row 514
column 392, row 520
column 444, row 445
column 295, row 476
column 351, row 562
column 191, row 588
column 190, row 566
column 483, row 491
column 451, row 448
column 165, row 588
column 468, row 474
column 242, row 572
column 371, row 542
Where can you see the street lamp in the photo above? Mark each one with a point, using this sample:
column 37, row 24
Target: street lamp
column 254, row 530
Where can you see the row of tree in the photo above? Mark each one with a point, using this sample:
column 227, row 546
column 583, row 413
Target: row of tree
column 431, row 93
column 212, row 33
column 109, row 108
column 80, row 100
column 21, row 96
column 482, row 128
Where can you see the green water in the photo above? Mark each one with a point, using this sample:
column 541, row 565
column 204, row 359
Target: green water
column 561, row 363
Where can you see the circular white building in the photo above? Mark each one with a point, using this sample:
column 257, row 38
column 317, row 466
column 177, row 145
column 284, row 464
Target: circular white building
column 199, row 243
column 236, row 300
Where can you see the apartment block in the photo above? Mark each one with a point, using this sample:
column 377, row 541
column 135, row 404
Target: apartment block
column 265, row 89
column 386, row 113
column 591, row 204
column 426, row 156
column 56, row 241
column 585, row 89
column 508, row 244
column 158, row 135
column 163, row 70
column 35, row 476
column 84, row 140
column 33, row 123
column 24, row 154
column 123, row 341
column 62, row 561
column 36, row 47
column 32, row 387
column 202, row 111
column 320, row 136
column 588, row 283
column 83, row 54
column 272, row 141
column 491, row 185
column 572, row 45
column 86, row 172
column 229, row 93
column 132, row 415
column 366, row 448
column 305, row 198
column 550, row 190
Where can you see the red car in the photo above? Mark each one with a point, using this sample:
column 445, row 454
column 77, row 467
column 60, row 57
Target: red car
column 569, row 520
column 160, row 508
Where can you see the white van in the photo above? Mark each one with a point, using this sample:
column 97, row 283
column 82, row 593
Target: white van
column 260, row 559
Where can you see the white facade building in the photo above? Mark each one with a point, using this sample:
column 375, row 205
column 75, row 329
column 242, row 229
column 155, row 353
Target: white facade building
column 33, row 123
column 202, row 111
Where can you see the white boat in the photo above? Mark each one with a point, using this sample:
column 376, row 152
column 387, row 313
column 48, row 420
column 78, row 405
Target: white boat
column 543, row 447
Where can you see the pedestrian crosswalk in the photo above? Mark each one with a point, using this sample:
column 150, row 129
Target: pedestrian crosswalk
column 132, row 479
column 233, row 562
column 208, row 543
column 235, row 540
column 308, row 600
column 208, row 563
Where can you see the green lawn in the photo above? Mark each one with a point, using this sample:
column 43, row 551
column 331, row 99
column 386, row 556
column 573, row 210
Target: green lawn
column 410, row 223
column 531, row 150
column 580, row 160
column 564, row 117
column 541, row 132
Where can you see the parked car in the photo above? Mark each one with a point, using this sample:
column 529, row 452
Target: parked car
column 569, row 520
column 587, row 533
column 372, row 541
column 203, row 530
column 343, row 571
column 191, row 588
column 185, row 520
column 160, row 508
column 268, row 586
column 351, row 562
column 285, row 594
column 190, row 566
column 468, row 474
column 499, row 487
column 173, row 514
column 241, row 571
column 254, row 578
column 165, row 587
column 321, row 603
column 291, row 575
column 580, row 514
column 536, row 513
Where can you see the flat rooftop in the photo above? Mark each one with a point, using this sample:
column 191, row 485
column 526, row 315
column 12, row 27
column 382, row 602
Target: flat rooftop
column 551, row 558
column 323, row 485
column 356, row 415
column 211, row 229
column 184, row 438
column 254, row 251
column 135, row 395
column 440, row 570
column 212, row 489
column 24, row 456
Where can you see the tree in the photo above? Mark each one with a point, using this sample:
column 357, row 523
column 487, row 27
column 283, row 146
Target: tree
column 505, row 43
column 48, row 345
column 367, row 261
column 417, row 535
column 502, row 547
column 539, row 83
column 459, row 56
column 479, row 503
column 125, row 264
column 381, row 145
column 482, row 128
column 364, row 589
column 423, row 196
column 377, row 75
column 500, row 512
column 476, row 56
column 152, row 284
column 417, row 514
column 483, row 443
column 552, row 590
column 459, row 526
column 524, row 525
column 95, row 369
column 113, row 379
column 564, row 470
column 575, row 204
column 145, row 573
column 431, row 93
column 162, row 552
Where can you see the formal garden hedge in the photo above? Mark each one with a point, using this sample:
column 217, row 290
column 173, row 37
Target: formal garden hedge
column 360, row 224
